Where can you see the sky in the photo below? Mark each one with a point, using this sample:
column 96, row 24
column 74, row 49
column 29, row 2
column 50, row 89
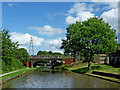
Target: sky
column 46, row 22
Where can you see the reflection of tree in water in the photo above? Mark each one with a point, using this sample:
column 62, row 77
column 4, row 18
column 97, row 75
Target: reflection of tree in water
column 54, row 64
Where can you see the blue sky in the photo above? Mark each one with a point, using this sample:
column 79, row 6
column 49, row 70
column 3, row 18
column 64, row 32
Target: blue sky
column 47, row 21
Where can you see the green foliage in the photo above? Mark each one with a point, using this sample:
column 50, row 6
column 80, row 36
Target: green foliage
column 12, row 57
column 48, row 53
column 56, row 53
column 14, row 64
column 55, row 64
column 85, row 69
column 43, row 53
column 22, row 54
column 96, row 67
column 63, row 67
column 16, row 74
column 90, row 37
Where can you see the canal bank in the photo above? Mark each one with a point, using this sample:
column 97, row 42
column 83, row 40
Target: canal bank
column 98, row 68
column 62, row 74
column 14, row 74
column 58, row 79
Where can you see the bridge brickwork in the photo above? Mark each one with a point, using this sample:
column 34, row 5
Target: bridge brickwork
column 52, row 58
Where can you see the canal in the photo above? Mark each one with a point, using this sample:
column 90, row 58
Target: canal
column 40, row 79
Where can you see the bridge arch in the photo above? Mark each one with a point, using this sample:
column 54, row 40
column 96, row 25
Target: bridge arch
column 36, row 58
column 35, row 62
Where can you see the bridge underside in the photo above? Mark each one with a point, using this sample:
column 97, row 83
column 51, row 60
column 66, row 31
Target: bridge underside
column 50, row 60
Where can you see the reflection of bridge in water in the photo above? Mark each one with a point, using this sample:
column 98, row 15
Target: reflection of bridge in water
column 48, row 58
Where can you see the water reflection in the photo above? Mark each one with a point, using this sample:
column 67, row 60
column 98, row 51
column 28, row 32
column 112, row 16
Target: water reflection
column 38, row 79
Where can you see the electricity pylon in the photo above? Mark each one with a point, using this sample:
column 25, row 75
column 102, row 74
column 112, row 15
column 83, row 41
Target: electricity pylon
column 31, row 48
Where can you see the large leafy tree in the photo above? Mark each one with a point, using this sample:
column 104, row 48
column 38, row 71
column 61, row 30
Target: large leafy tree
column 22, row 54
column 11, row 56
column 8, row 47
column 90, row 37
column 8, row 52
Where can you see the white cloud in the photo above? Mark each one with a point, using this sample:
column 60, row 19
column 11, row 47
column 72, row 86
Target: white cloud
column 111, row 3
column 54, row 44
column 82, row 11
column 23, row 47
column 58, row 51
column 47, row 30
column 71, row 19
column 111, row 17
column 10, row 4
column 105, row 1
column 79, row 12
column 25, row 38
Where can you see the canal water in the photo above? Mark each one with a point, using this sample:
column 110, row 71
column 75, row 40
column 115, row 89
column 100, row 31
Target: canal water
column 40, row 79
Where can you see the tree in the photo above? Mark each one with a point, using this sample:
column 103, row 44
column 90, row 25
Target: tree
column 43, row 53
column 22, row 54
column 8, row 47
column 48, row 53
column 8, row 50
column 90, row 37
column 56, row 53
column 12, row 57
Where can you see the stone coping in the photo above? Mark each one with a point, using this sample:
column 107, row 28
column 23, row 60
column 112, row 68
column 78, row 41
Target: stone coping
column 106, row 74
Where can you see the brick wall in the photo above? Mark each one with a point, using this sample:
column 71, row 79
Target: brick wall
column 66, row 61
column 26, row 63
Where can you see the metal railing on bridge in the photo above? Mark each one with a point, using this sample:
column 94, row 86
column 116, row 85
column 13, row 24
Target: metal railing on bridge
column 48, row 56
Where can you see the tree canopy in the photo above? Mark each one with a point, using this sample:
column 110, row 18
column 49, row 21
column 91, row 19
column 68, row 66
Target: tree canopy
column 12, row 57
column 48, row 53
column 90, row 37
column 22, row 54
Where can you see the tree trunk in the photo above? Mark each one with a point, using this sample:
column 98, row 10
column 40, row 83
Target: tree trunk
column 89, row 67
column 89, row 63
column 74, row 58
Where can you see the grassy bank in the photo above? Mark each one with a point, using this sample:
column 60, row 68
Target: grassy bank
column 63, row 67
column 3, row 72
column 16, row 74
column 82, row 69
column 95, row 67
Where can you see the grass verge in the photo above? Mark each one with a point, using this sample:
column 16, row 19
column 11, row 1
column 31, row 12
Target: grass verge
column 14, row 75
column 3, row 72
column 82, row 69
column 95, row 67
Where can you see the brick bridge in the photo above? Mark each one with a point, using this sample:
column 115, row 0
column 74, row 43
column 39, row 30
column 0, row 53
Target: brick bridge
column 48, row 58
